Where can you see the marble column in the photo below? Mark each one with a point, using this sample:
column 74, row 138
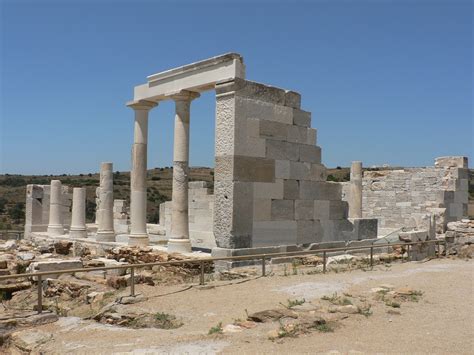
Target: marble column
column 138, row 231
column 179, row 239
column 355, row 196
column 78, row 220
column 56, row 221
column 105, row 230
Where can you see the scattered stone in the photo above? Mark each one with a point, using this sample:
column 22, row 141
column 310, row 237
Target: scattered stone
column 62, row 247
column 271, row 315
column 93, row 263
column 3, row 264
column 28, row 340
column 14, row 286
column 25, row 256
column 348, row 309
column 394, row 311
column 118, row 282
column 232, row 328
column 94, row 297
column 246, row 324
column 132, row 299
column 54, row 265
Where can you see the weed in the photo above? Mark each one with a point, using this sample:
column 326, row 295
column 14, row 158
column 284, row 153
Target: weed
column 337, row 300
column 294, row 265
column 365, row 310
column 293, row 303
column 323, row 327
column 166, row 321
column 216, row 329
column 416, row 295
column 285, row 270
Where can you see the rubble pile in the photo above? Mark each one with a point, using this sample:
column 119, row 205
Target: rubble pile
column 460, row 238
column 142, row 255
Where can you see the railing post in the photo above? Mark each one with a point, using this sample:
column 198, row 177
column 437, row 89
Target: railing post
column 371, row 256
column 408, row 252
column 132, row 284
column 324, row 262
column 40, row 294
column 263, row 265
column 201, row 277
column 439, row 249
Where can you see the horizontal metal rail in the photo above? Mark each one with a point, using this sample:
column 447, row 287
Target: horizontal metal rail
column 202, row 262
column 266, row 256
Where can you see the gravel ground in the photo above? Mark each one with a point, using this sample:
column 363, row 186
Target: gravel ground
column 442, row 322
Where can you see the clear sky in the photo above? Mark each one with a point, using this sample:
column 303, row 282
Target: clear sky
column 386, row 81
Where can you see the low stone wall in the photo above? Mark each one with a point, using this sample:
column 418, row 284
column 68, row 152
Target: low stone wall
column 404, row 197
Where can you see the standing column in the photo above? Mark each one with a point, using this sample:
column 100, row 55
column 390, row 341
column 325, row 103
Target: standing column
column 78, row 220
column 105, row 230
column 355, row 197
column 138, row 231
column 179, row 241
column 56, row 223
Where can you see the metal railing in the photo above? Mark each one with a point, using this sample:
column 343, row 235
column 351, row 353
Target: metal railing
column 203, row 261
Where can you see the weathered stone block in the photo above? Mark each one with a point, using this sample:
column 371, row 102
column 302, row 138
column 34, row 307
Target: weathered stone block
column 448, row 162
column 283, row 210
column 300, row 170
column 310, row 153
column 305, row 232
column 269, row 190
column 304, row 210
column 262, row 210
column 321, row 209
column 242, row 168
column 297, row 134
column 292, row 99
column 311, row 135
column 274, row 233
column 291, row 189
column 318, row 172
column 282, row 169
column 338, row 209
column 281, row 150
column 274, row 130
column 301, row 118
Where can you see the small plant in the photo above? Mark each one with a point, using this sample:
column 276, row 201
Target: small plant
column 323, row 328
column 217, row 329
column 288, row 331
column 294, row 265
column 365, row 310
column 293, row 303
column 416, row 295
column 166, row 321
column 337, row 300
column 285, row 270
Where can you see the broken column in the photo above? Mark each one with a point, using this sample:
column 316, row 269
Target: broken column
column 355, row 195
column 138, row 231
column 179, row 241
column 105, row 230
column 78, row 221
column 56, row 225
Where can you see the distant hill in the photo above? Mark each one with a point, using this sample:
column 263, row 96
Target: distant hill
column 13, row 189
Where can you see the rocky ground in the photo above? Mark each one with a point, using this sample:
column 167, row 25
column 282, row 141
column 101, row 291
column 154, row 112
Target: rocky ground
column 395, row 306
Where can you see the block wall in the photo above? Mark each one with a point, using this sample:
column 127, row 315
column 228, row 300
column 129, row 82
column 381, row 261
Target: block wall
column 399, row 197
column 37, row 208
column 201, row 210
column 270, row 184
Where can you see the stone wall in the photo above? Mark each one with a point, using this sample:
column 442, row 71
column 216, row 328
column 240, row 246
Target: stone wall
column 201, row 210
column 270, row 184
column 402, row 197
column 37, row 208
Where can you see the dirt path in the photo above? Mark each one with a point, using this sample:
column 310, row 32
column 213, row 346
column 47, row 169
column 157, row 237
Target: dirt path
column 442, row 322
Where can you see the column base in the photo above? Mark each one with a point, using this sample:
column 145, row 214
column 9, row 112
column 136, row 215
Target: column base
column 55, row 230
column 138, row 240
column 179, row 246
column 78, row 233
column 105, row 236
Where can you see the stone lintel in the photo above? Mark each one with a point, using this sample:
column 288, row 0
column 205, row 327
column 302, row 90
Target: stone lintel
column 200, row 76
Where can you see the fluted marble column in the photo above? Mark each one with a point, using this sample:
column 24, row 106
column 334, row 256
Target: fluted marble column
column 105, row 230
column 138, row 231
column 56, row 222
column 78, row 220
column 355, row 198
column 179, row 241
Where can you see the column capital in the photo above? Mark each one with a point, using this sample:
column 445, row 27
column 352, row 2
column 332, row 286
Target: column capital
column 142, row 104
column 184, row 95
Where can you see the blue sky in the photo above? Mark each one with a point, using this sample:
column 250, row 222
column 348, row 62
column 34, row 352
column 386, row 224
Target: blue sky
column 386, row 81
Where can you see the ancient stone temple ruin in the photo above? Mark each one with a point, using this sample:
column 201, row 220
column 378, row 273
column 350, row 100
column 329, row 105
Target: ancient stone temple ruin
column 270, row 187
